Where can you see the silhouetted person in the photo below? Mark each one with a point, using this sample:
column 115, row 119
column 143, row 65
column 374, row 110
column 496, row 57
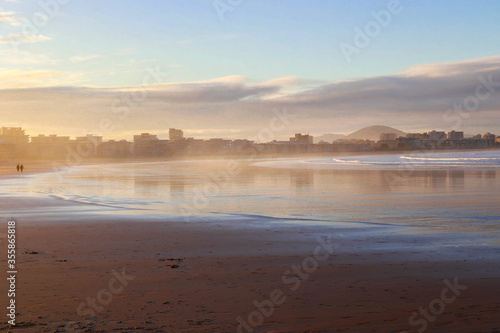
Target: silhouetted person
column 22, row 168
column 18, row 167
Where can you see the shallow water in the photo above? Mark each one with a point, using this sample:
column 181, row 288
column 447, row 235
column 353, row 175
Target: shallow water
column 416, row 160
column 451, row 199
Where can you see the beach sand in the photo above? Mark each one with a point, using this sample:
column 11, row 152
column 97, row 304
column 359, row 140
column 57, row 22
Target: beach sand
column 7, row 169
column 226, row 272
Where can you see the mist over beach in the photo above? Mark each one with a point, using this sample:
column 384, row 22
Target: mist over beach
column 250, row 166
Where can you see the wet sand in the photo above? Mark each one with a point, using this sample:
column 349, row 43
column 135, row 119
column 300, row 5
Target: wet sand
column 209, row 277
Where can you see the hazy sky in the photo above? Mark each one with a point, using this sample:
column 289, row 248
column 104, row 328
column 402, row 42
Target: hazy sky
column 68, row 67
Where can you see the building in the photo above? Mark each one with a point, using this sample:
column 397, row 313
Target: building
column 409, row 143
column 388, row 136
column 490, row 139
column 85, row 146
column 242, row 146
column 282, row 147
column 353, row 145
column 194, row 146
column 112, row 148
column 489, row 136
column 15, row 139
column 217, row 146
column 387, row 145
column 51, row 146
column 302, row 138
column 437, row 135
column 145, row 144
column 419, row 136
column 455, row 135
column 14, row 135
column 149, row 145
column 175, row 134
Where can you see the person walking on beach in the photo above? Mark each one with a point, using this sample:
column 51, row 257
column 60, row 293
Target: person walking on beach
column 17, row 167
column 22, row 168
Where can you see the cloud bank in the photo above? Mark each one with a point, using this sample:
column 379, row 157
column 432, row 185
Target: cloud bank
column 415, row 99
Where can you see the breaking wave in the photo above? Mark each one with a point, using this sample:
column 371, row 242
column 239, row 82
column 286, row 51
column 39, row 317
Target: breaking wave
column 424, row 160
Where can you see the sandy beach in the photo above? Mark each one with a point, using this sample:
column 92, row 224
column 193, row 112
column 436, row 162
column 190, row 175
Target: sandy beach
column 228, row 272
column 224, row 271
column 9, row 169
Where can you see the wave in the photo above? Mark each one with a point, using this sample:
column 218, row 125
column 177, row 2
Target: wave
column 440, row 160
column 453, row 159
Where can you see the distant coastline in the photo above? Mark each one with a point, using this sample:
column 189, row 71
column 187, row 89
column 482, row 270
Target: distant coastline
column 16, row 144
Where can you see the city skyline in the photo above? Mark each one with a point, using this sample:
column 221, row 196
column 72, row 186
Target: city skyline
column 14, row 142
column 176, row 134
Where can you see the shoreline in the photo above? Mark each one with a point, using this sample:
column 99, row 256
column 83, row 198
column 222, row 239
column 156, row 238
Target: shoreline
column 42, row 166
column 30, row 168
column 7, row 167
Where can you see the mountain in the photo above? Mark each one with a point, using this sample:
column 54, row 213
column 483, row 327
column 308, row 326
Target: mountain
column 373, row 133
column 328, row 137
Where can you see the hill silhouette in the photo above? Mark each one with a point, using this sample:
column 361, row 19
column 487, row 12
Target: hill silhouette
column 373, row 133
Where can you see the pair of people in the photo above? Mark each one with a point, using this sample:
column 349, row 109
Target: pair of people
column 20, row 168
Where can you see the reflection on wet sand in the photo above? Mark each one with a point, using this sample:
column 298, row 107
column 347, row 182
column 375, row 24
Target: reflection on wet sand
column 409, row 197
column 301, row 178
column 437, row 179
column 177, row 188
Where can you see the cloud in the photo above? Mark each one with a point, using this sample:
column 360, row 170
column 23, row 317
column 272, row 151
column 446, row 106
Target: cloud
column 286, row 81
column 479, row 65
column 231, row 79
column 10, row 18
column 425, row 89
column 20, row 79
column 290, row 85
column 234, row 106
column 19, row 38
column 220, row 90
column 85, row 58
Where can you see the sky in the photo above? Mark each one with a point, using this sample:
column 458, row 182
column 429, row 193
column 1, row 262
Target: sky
column 224, row 68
